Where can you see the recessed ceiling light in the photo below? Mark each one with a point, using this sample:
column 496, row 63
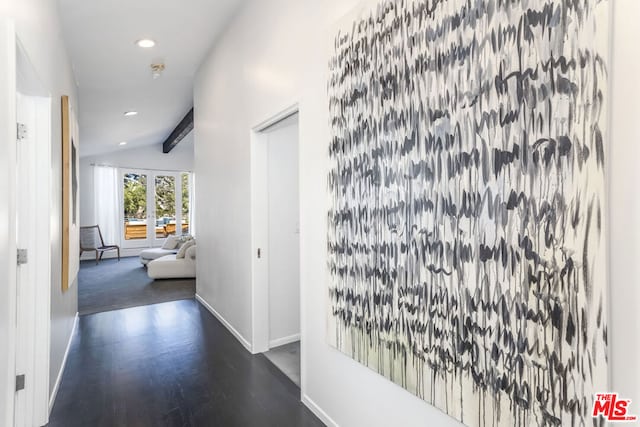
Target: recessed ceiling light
column 123, row 143
column 130, row 113
column 146, row 43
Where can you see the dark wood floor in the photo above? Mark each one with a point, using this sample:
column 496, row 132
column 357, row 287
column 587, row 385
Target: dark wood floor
column 170, row 364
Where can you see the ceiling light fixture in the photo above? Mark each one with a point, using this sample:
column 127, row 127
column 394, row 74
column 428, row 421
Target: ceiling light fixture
column 130, row 113
column 146, row 43
column 157, row 69
column 123, row 143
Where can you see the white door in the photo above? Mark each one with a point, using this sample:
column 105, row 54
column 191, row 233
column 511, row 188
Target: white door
column 283, row 223
column 167, row 194
column 7, row 226
column 25, row 238
column 33, row 274
column 24, row 298
column 136, row 208
column 155, row 205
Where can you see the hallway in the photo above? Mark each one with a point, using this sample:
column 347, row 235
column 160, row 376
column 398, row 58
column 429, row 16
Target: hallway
column 407, row 213
column 170, row 364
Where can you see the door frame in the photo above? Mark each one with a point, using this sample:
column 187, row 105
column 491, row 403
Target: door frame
column 38, row 290
column 33, row 204
column 151, row 240
column 155, row 241
column 8, row 263
column 14, row 62
column 150, row 217
column 260, row 229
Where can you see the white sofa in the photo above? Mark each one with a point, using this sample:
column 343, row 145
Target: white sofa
column 148, row 255
column 173, row 267
column 171, row 246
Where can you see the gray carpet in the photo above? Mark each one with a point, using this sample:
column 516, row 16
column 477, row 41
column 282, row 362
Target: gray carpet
column 287, row 359
column 112, row 285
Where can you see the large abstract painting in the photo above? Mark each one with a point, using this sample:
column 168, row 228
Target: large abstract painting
column 467, row 254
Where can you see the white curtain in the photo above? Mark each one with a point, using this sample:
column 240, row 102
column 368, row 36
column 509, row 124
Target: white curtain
column 107, row 203
column 192, row 204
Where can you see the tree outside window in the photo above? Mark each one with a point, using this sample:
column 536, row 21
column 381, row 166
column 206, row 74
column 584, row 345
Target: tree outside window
column 135, row 196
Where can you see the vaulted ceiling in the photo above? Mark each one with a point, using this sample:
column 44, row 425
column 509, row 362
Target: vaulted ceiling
column 114, row 74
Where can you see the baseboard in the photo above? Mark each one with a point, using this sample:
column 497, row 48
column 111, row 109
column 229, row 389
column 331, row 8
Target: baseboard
column 54, row 392
column 284, row 340
column 226, row 324
column 318, row 411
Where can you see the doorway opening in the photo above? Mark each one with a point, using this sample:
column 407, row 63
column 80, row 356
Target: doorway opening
column 276, row 242
column 147, row 214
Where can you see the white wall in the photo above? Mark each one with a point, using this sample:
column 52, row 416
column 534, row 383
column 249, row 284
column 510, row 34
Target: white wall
column 148, row 157
column 283, row 252
column 274, row 54
column 624, row 208
column 38, row 28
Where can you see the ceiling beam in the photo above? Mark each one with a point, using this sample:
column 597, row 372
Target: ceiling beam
column 178, row 134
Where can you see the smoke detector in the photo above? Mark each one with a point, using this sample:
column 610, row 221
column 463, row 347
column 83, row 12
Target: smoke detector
column 157, row 69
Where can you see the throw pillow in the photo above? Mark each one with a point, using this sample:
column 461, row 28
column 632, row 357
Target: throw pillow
column 183, row 248
column 191, row 253
column 183, row 239
column 171, row 242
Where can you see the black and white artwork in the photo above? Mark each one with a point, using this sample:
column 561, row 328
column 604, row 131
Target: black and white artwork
column 466, row 228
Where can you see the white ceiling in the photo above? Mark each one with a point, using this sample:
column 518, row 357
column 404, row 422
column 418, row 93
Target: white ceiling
column 114, row 75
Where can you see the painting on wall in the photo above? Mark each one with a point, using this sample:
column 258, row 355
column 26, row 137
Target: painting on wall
column 70, row 207
column 466, row 227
